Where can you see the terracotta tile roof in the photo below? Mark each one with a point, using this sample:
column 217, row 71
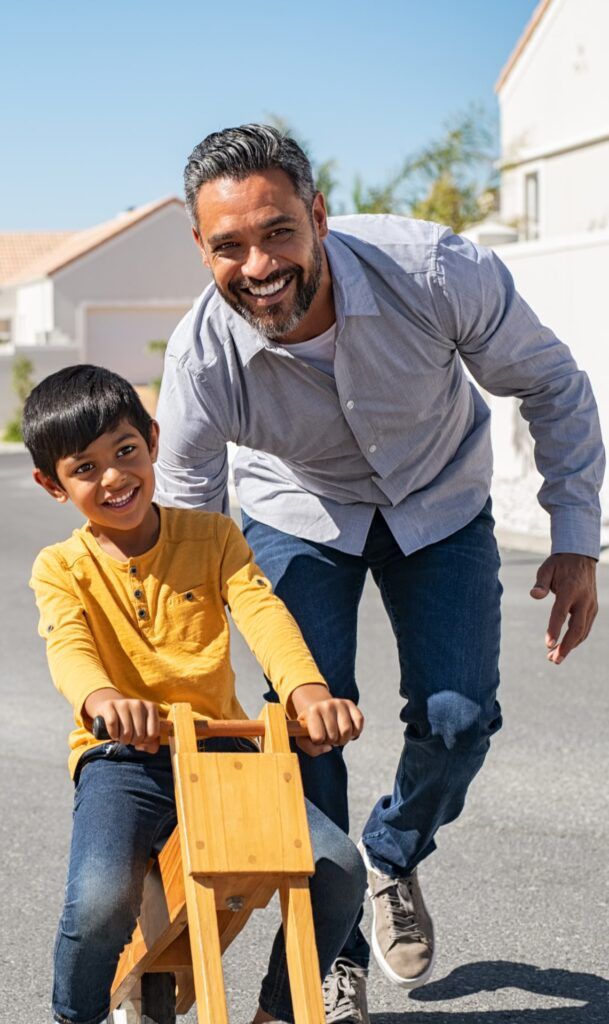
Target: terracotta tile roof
column 516, row 53
column 74, row 244
column 20, row 248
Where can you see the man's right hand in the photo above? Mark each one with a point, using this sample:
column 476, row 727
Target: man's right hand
column 128, row 721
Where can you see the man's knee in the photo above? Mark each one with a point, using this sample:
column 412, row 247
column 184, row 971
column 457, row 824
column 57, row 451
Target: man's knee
column 462, row 724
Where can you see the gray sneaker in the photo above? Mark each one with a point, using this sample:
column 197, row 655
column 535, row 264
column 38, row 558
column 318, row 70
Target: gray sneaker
column 402, row 930
column 345, row 993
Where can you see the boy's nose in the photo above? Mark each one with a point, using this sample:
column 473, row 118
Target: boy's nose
column 112, row 476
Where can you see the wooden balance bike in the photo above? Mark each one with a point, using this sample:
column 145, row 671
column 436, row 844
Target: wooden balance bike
column 242, row 834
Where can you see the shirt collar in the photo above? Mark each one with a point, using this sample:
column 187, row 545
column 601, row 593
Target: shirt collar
column 353, row 296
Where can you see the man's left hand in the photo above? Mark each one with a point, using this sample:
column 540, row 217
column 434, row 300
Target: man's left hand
column 572, row 578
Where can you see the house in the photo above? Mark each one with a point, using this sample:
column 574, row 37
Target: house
column 554, row 113
column 98, row 295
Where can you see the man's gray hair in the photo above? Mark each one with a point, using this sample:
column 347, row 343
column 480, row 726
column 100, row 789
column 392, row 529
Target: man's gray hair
column 238, row 152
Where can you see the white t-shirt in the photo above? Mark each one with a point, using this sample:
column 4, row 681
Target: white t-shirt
column 319, row 351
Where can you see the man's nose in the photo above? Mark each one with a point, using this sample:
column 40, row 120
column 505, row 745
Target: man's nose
column 258, row 264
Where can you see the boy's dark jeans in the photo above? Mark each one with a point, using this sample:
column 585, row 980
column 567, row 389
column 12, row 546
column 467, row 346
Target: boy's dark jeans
column 443, row 606
column 124, row 812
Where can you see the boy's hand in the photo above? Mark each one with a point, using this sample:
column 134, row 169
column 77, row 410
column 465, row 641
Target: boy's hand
column 331, row 721
column 127, row 721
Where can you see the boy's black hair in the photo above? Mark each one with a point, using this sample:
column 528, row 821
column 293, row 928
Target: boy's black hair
column 73, row 407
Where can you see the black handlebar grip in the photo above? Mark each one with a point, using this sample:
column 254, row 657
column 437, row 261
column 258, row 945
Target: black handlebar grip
column 99, row 729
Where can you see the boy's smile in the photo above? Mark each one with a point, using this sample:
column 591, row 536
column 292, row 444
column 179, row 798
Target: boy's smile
column 112, row 483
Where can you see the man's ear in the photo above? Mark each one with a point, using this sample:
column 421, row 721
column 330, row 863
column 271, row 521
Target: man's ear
column 153, row 441
column 320, row 215
column 200, row 246
column 50, row 486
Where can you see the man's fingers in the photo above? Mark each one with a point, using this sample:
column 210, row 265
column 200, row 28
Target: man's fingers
column 558, row 615
column 543, row 582
column 574, row 636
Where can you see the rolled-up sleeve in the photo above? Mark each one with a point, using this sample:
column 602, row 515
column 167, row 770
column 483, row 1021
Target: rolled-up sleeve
column 509, row 352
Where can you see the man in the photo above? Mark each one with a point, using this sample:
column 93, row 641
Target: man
column 335, row 360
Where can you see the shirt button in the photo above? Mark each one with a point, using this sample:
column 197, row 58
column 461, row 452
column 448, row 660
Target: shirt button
column 350, row 404
column 189, row 596
column 133, row 570
column 141, row 613
column 137, row 593
column 372, row 448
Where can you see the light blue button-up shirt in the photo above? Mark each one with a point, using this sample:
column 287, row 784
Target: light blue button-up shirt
column 399, row 427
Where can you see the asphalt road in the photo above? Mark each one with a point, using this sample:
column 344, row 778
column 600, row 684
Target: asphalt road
column 518, row 886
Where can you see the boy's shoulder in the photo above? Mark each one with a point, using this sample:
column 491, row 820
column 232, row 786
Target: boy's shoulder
column 184, row 524
column 63, row 555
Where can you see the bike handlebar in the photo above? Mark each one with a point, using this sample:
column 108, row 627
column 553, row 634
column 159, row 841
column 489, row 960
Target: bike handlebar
column 248, row 728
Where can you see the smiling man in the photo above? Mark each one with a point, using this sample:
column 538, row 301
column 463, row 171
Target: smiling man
column 335, row 360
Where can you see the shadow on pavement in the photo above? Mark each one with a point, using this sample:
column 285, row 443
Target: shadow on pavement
column 492, row 975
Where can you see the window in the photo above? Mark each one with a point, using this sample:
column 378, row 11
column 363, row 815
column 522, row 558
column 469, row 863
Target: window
column 531, row 205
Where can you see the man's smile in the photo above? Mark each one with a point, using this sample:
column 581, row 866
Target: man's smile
column 268, row 292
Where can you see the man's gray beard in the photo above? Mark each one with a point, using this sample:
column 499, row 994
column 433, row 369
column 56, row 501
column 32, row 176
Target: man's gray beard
column 305, row 293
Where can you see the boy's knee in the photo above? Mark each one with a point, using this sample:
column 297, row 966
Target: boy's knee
column 101, row 913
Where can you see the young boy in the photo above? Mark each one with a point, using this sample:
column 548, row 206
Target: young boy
column 132, row 607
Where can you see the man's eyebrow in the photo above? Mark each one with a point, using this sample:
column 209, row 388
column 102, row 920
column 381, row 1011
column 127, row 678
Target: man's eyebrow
column 272, row 222
column 76, row 456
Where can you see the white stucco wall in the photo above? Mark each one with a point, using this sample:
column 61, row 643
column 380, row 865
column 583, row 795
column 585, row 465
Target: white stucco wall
column 553, row 100
column 564, row 281
column 34, row 313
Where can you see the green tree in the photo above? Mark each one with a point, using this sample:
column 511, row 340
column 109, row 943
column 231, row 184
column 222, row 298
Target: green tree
column 21, row 383
column 453, row 179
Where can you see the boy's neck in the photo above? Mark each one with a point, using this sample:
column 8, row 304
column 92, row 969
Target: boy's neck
column 126, row 544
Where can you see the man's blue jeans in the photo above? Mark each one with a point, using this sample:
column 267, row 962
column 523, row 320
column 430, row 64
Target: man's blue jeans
column 443, row 604
column 124, row 811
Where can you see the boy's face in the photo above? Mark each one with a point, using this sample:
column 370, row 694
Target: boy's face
column 112, row 481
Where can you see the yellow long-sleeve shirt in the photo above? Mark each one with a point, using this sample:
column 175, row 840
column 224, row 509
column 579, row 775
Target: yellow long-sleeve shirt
column 155, row 627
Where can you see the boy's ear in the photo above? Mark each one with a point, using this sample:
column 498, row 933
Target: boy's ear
column 50, row 486
column 153, row 442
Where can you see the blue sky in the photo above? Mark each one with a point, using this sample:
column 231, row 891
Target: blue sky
column 102, row 102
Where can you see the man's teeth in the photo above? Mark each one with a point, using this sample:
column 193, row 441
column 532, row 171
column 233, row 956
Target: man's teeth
column 117, row 502
column 268, row 289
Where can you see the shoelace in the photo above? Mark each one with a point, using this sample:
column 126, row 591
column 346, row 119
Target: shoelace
column 399, row 910
column 340, row 994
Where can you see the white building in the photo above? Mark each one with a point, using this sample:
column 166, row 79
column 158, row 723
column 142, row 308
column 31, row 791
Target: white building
column 99, row 295
column 554, row 107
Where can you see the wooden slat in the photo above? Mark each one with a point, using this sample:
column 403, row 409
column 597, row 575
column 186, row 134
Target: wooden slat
column 301, row 952
column 206, row 952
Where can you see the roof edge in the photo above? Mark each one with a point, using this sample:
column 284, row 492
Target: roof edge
column 522, row 43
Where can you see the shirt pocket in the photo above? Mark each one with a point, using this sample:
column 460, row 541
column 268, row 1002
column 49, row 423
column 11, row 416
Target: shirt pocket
column 193, row 618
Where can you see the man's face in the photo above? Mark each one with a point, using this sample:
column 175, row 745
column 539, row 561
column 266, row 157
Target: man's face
column 264, row 249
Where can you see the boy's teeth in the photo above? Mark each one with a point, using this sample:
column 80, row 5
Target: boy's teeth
column 268, row 289
column 121, row 501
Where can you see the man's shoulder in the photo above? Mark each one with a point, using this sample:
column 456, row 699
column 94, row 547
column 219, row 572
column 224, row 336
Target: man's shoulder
column 389, row 231
column 206, row 319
